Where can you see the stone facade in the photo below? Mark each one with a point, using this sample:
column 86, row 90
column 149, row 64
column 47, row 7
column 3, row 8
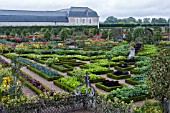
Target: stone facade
column 66, row 17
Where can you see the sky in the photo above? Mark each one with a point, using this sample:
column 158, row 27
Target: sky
column 104, row 8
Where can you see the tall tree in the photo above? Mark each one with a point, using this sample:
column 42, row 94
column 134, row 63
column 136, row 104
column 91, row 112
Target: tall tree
column 131, row 20
column 7, row 32
column 111, row 19
column 47, row 35
column 146, row 20
column 139, row 21
column 159, row 78
column 138, row 34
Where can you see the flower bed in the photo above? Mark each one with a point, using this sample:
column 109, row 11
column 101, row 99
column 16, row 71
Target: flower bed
column 82, row 72
column 127, row 93
column 68, row 83
column 47, row 77
column 96, row 69
column 33, row 84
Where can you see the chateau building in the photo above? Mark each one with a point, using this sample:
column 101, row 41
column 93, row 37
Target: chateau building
column 66, row 17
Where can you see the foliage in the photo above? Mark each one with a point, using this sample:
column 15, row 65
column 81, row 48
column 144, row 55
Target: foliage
column 138, row 77
column 148, row 50
column 44, row 70
column 148, row 107
column 158, row 77
column 47, row 35
column 128, row 92
column 120, row 50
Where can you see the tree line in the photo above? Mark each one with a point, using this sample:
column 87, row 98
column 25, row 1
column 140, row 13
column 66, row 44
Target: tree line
column 132, row 20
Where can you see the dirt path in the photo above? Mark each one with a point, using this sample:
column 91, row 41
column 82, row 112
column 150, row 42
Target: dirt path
column 42, row 80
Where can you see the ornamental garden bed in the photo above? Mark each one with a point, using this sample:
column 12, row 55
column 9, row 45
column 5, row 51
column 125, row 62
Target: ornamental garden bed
column 44, row 72
column 108, row 86
column 62, row 68
column 33, row 84
column 136, row 93
column 117, row 77
column 68, row 84
column 96, row 69
column 80, row 73
column 118, row 74
column 120, row 67
column 132, row 82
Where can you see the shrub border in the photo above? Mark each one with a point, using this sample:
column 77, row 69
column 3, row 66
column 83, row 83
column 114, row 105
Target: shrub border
column 44, row 75
column 108, row 89
column 110, row 75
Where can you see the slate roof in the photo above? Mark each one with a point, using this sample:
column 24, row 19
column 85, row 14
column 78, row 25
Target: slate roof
column 45, row 16
column 81, row 12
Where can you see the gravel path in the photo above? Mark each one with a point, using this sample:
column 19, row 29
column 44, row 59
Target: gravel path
column 82, row 111
column 42, row 80
column 6, row 59
column 28, row 92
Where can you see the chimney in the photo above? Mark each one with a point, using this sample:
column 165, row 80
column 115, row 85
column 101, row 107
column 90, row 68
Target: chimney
column 86, row 12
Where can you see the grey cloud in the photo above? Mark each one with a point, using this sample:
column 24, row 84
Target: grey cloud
column 105, row 8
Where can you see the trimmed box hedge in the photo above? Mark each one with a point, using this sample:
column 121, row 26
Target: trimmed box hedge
column 124, row 69
column 44, row 75
column 108, row 89
column 132, row 82
column 92, row 81
column 110, row 75
column 29, row 85
column 62, row 86
column 137, row 98
column 68, row 68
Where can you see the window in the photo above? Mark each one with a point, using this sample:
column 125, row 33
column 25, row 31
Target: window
column 84, row 20
column 77, row 20
column 90, row 21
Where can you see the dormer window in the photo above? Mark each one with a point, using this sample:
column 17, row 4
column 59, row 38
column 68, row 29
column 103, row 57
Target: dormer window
column 87, row 13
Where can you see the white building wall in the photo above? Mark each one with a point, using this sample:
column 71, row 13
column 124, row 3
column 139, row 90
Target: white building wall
column 72, row 21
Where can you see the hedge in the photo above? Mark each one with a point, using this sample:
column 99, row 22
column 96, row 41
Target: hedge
column 134, row 72
column 102, row 72
column 44, row 75
column 92, row 81
column 137, row 98
column 132, row 82
column 124, row 69
column 69, row 68
column 110, row 75
column 62, row 86
column 106, row 88
column 29, row 85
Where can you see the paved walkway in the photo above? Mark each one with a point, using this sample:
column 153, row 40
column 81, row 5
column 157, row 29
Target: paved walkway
column 42, row 80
